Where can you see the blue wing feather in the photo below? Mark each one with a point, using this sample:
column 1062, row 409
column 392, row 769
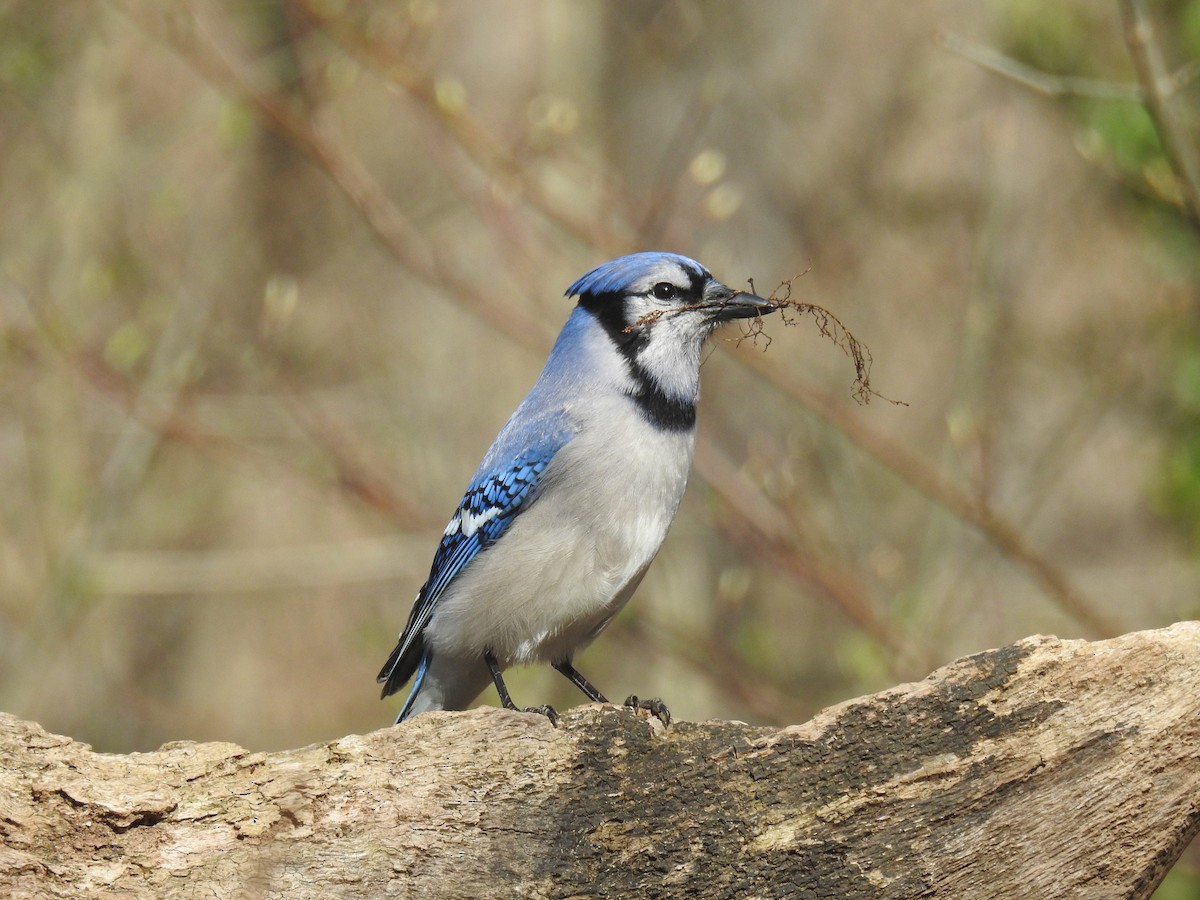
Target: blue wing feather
column 493, row 504
column 490, row 505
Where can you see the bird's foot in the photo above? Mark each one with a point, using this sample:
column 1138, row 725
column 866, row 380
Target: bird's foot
column 548, row 711
column 654, row 706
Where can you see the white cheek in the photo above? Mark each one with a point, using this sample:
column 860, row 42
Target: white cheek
column 641, row 313
column 672, row 353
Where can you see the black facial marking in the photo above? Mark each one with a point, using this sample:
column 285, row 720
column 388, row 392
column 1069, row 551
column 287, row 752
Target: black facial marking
column 662, row 411
column 609, row 311
column 697, row 280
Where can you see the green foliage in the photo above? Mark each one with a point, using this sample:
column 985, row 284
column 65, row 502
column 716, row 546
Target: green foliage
column 754, row 641
column 127, row 345
column 1188, row 33
column 24, row 63
column 1052, row 37
column 1180, row 884
column 862, row 659
column 1074, row 40
column 1185, row 386
column 1178, row 488
column 236, row 125
column 1124, row 132
column 1123, row 138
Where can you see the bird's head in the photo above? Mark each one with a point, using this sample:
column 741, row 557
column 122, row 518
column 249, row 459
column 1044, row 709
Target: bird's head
column 653, row 297
column 658, row 309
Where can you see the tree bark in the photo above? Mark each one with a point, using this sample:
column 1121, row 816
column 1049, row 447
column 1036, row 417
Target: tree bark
column 1047, row 768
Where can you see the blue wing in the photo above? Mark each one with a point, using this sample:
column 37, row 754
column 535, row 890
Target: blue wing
column 489, row 507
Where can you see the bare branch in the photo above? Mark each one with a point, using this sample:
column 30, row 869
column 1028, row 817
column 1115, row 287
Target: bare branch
column 915, row 472
column 1035, row 79
column 1156, row 80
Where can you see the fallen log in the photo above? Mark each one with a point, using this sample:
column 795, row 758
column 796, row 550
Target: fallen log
column 1048, row 768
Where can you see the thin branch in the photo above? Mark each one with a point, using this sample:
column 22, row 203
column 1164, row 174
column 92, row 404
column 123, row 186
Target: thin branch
column 1156, row 90
column 765, row 530
column 1184, row 75
column 62, row 605
column 915, row 472
column 169, row 421
column 405, row 242
column 471, row 136
column 1155, row 79
column 670, row 170
column 175, row 425
column 1035, row 79
column 348, row 173
column 354, row 474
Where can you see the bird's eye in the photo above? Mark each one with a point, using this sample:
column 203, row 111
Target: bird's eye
column 665, row 291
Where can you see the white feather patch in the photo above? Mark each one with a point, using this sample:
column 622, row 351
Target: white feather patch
column 471, row 524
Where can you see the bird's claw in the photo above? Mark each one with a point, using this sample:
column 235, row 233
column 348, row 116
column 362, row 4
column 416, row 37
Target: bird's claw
column 548, row 711
column 654, row 706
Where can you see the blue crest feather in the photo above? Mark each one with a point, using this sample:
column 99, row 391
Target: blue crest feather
column 614, row 276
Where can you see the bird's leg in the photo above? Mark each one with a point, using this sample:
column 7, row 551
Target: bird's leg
column 579, row 681
column 654, row 706
column 505, row 700
column 498, row 680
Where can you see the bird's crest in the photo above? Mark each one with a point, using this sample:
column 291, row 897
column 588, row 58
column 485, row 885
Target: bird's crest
column 616, row 275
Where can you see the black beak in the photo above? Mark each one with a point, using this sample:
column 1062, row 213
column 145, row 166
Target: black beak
column 725, row 304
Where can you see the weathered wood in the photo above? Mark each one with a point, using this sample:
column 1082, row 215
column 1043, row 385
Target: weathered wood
column 1045, row 769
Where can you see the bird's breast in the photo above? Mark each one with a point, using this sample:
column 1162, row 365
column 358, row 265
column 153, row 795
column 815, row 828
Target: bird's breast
column 571, row 560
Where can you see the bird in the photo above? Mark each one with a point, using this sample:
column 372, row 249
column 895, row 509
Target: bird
column 574, row 497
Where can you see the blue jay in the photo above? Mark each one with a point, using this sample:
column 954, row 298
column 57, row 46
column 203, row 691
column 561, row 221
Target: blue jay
column 574, row 497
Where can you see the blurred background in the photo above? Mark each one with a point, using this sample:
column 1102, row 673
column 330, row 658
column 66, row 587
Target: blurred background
column 274, row 272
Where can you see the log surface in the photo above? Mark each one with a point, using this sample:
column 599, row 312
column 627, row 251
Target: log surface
column 1047, row 768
